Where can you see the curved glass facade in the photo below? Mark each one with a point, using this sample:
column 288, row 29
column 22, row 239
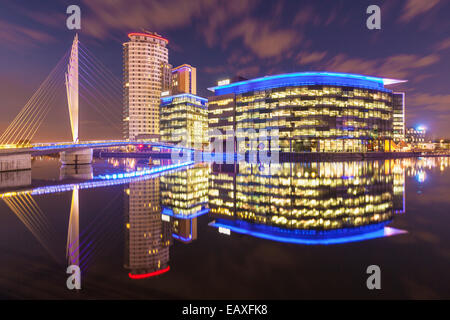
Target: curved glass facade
column 321, row 112
column 306, row 200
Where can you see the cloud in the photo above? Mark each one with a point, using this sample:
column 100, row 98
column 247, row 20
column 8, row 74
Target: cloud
column 219, row 22
column 432, row 102
column 304, row 58
column 239, row 58
column 248, row 72
column 262, row 38
column 216, row 20
column 215, row 69
column 16, row 37
column 306, row 16
column 106, row 16
column 432, row 109
column 414, row 8
column 398, row 66
column 443, row 45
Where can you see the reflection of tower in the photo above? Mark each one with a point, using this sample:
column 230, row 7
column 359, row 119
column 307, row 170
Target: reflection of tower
column 147, row 237
column 399, row 186
column 184, row 196
column 73, row 239
column 82, row 172
column 185, row 230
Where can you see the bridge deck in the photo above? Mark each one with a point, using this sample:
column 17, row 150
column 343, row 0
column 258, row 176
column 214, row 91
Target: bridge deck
column 49, row 148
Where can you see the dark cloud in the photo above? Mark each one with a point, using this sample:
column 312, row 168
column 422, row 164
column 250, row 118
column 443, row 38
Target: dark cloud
column 414, row 8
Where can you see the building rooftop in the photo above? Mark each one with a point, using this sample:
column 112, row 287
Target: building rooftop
column 183, row 96
column 151, row 35
column 305, row 78
column 182, row 66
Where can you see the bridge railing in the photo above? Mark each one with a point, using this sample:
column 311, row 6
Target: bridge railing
column 91, row 144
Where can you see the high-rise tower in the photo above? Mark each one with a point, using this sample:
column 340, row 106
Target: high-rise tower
column 144, row 56
column 184, row 79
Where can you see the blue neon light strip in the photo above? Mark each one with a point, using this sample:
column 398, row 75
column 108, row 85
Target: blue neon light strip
column 178, row 237
column 182, row 238
column 105, row 144
column 169, row 212
column 169, row 99
column 143, row 172
column 104, row 182
column 315, row 238
column 305, row 78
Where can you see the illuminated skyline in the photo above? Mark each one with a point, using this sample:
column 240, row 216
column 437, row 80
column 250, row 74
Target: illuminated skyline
column 249, row 38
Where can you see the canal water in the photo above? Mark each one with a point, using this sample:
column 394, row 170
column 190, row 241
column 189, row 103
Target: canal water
column 231, row 231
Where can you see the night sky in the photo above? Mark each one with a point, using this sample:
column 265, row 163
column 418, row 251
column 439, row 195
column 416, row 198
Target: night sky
column 250, row 38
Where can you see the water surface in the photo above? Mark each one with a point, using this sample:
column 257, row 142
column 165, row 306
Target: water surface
column 208, row 231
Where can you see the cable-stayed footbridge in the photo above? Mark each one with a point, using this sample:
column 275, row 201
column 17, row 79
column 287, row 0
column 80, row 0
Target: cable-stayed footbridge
column 85, row 79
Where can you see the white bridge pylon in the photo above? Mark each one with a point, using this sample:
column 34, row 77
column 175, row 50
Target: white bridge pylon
column 72, row 88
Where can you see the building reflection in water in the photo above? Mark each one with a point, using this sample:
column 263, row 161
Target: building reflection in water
column 158, row 210
column 147, row 236
column 79, row 172
column 11, row 179
column 73, row 231
column 307, row 203
column 184, row 197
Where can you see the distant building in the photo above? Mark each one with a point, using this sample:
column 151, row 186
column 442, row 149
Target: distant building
column 145, row 60
column 398, row 125
column 312, row 111
column 184, row 118
column 414, row 135
column 184, row 80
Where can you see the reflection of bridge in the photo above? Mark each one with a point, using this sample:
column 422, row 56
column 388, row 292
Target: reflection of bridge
column 16, row 148
column 21, row 201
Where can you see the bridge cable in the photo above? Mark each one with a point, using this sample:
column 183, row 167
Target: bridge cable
column 19, row 118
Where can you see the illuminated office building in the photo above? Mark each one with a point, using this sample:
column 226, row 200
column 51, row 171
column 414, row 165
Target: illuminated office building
column 398, row 125
column 185, row 192
column 312, row 111
column 304, row 202
column 184, row 80
column 416, row 135
column 184, row 119
column 184, row 196
column 145, row 62
column 147, row 236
